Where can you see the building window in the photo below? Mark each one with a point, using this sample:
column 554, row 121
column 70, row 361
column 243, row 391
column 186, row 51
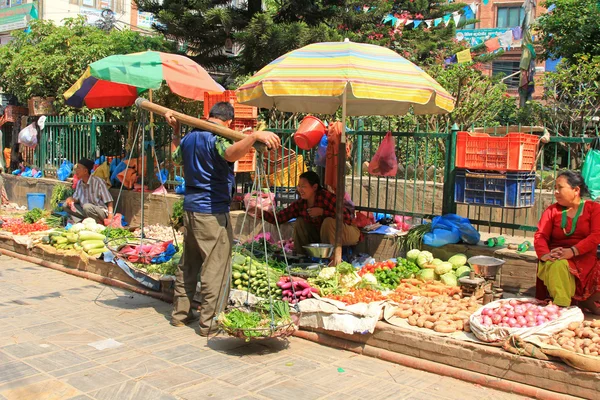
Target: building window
column 510, row 17
column 4, row 3
column 507, row 68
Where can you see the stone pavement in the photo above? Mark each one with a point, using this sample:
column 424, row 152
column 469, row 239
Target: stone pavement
column 48, row 320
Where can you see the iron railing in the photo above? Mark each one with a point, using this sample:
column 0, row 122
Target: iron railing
column 423, row 187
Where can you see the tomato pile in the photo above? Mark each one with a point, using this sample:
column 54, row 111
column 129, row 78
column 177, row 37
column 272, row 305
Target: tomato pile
column 16, row 226
column 370, row 268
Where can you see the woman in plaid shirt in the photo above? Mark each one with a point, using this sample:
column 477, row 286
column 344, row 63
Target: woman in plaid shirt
column 315, row 216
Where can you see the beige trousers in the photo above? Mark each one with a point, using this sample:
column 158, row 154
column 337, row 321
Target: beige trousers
column 207, row 252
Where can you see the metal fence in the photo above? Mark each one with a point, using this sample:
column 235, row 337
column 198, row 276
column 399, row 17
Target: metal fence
column 63, row 138
column 423, row 186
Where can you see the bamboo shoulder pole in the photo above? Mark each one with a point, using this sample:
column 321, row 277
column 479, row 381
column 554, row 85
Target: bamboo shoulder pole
column 196, row 122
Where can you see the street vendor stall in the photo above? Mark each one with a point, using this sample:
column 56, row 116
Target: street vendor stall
column 361, row 78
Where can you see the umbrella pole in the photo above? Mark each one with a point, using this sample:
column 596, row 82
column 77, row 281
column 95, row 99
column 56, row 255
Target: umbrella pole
column 341, row 187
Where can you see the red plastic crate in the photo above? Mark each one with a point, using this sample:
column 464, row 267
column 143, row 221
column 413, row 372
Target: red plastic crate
column 240, row 110
column 241, row 124
column 246, row 163
column 480, row 151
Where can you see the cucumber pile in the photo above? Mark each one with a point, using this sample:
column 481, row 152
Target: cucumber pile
column 253, row 276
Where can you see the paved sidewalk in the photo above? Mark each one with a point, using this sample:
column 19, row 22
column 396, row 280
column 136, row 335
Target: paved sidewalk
column 49, row 319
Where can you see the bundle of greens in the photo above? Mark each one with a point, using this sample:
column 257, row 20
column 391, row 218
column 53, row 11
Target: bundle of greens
column 168, row 268
column 257, row 323
column 34, row 215
column 60, row 193
column 413, row 238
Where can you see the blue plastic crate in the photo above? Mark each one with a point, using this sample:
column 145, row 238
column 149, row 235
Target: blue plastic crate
column 506, row 190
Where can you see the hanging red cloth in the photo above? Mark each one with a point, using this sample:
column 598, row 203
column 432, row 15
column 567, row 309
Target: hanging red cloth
column 334, row 135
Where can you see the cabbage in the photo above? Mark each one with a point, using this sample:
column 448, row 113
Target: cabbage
column 443, row 268
column 426, row 275
column 436, row 261
column 413, row 254
column 424, row 257
column 462, row 271
column 449, row 279
column 458, row 260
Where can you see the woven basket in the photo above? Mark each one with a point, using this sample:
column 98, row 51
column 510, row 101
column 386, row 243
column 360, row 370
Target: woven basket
column 281, row 331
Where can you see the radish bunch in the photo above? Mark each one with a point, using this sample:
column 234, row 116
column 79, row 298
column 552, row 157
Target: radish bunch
column 294, row 290
column 516, row 314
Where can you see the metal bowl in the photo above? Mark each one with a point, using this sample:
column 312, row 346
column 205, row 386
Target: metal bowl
column 319, row 250
column 486, row 266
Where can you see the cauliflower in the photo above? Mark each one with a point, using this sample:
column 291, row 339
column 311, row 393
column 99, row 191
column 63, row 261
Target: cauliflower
column 369, row 279
column 327, row 273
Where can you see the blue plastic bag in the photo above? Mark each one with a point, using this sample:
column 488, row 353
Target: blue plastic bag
column 27, row 173
column 321, row 157
column 180, row 189
column 449, row 229
column 165, row 255
column 64, row 171
column 114, row 180
column 38, row 174
column 113, row 165
column 162, row 176
column 16, row 171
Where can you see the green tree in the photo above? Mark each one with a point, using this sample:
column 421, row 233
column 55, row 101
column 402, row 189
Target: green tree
column 49, row 59
column 290, row 24
column 572, row 28
column 204, row 27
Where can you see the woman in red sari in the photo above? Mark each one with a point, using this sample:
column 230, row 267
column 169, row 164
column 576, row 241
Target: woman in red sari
column 566, row 241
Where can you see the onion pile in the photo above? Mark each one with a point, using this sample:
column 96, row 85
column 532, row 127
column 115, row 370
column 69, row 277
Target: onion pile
column 516, row 314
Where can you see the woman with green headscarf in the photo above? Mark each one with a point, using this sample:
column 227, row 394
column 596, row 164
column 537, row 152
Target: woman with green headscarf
column 566, row 243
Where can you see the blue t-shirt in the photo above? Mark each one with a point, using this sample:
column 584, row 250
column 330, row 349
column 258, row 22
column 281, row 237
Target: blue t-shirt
column 209, row 178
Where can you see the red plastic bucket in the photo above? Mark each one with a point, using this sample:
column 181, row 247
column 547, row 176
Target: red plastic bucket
column 309, row 133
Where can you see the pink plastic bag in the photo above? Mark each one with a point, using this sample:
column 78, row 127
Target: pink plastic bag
column 256, row 201
column 384, row 162
column 115, row 222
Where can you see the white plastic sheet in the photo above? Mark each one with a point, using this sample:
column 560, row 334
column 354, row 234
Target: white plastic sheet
column 496, row 333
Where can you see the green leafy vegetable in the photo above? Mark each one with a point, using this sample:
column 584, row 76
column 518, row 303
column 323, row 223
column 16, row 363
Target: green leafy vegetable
column 33, row 216
column 60, row 193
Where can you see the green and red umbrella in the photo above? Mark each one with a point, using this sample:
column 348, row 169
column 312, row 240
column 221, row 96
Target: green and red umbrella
column 117, row 81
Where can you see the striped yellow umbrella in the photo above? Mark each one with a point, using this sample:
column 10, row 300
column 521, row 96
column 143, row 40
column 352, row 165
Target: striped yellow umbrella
column 375, row 80
column 361, row 78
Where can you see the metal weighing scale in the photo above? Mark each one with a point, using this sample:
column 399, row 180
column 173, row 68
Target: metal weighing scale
column 318, row 257
column 481, row 282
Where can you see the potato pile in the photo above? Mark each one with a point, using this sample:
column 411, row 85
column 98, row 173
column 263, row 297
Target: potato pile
column 442, row 313
column 416, row 287
column 581, row 338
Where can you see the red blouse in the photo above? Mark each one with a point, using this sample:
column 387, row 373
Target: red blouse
column 586, row 238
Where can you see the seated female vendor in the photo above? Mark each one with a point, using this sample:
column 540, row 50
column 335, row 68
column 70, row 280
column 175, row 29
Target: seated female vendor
column 566, row 241
column 315, row 216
